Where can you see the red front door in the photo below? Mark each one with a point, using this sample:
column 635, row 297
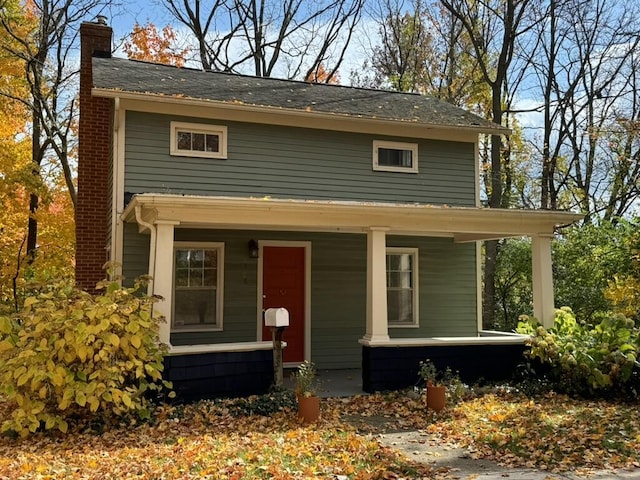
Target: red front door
column 283, row 285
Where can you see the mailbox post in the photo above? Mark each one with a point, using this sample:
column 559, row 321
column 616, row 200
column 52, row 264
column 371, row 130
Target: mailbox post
column 277, row 319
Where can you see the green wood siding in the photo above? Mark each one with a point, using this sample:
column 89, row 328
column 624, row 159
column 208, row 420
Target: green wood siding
column 338, row 302
column 285, row 162
column 135, row 254
column 240, row 288
column 338, row 288
column 447, row 288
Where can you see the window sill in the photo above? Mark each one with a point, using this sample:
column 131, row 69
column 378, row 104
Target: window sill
column 197, row 154
column 408, row 325
column 196, row 329
column 380, row 168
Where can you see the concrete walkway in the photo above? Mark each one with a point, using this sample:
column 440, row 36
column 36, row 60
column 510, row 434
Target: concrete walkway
column 419, row 447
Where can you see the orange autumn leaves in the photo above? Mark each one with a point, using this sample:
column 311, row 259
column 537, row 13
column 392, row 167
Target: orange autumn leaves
column 149, row 44
column 205, row 440
column 551, row 432
column 17, row 180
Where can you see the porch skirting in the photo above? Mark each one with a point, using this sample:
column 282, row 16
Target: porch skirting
column 391, row 366
column 395, row 367
column 219, row 374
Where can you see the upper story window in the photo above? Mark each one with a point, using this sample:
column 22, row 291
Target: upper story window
column 402, row 287
column 198, row 286
column 395, row 156
column 198, row 140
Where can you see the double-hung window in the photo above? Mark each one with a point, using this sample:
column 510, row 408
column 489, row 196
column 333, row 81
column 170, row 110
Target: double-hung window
column 402, row 287
column 198, row 286
column 395, row 156
column 198, row 140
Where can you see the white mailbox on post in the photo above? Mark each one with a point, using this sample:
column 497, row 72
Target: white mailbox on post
column 276, row 317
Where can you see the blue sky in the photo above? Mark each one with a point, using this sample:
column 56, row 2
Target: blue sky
column 122, row 18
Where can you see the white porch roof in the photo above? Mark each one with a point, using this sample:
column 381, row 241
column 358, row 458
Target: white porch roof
column 160, row 214
column 464, row 224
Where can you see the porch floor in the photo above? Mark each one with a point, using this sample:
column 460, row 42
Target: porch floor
column 334, row 383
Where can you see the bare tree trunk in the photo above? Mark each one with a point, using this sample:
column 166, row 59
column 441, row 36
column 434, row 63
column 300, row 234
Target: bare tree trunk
column 16, row 275
column 485, row 20
column 545, row 201
column 32, row 224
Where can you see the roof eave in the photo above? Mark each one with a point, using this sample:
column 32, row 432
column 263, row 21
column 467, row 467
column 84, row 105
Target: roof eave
column 173, row 99
column 464, row 224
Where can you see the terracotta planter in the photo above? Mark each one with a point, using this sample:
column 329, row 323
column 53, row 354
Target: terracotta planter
column 308, row 409
column 436, row 397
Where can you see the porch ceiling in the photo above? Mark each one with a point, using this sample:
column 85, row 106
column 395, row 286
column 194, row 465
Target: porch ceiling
column 464, row 224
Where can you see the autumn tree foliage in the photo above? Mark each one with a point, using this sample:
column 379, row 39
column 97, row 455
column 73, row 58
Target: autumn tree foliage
column 41, row 35
column 321, row 75
column 21, row 180
column 14, row 202
column 149, row 44
column 56, row 237
column 15, row 173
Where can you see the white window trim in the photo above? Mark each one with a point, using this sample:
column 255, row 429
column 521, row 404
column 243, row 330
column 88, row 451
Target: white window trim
column 218, row 327
column 413, row 147
column 219, row 130
column 415, row 280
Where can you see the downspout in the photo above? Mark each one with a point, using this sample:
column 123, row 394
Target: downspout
column 116, row 221
column 116, row 108
column 152, row 247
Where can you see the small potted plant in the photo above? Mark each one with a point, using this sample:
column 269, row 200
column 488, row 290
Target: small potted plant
column 436, row 392
column 306, row 392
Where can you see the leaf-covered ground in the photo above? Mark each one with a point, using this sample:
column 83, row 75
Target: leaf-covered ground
column 551, row 432
column 214, row 440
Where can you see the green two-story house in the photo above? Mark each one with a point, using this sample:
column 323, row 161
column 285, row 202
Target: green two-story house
column 356, row 210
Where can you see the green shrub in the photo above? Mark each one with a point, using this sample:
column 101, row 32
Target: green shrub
column 586, row 359
column 68, row 354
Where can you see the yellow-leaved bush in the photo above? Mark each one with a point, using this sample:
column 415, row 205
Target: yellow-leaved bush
column 69, row 354
column 624, row 294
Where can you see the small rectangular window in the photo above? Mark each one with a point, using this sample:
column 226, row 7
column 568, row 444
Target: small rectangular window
column 197, row 290
column 198, row 140
column 402, row 287
column 395, row 156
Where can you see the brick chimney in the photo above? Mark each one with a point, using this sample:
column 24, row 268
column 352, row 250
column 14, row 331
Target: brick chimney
column 94, row 161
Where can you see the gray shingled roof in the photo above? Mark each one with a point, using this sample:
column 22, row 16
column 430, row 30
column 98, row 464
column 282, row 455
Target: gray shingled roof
column 149, row 78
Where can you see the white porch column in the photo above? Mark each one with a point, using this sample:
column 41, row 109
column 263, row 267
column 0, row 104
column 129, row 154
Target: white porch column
column 377, row 325
column 543, row 302
column 163, row 274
